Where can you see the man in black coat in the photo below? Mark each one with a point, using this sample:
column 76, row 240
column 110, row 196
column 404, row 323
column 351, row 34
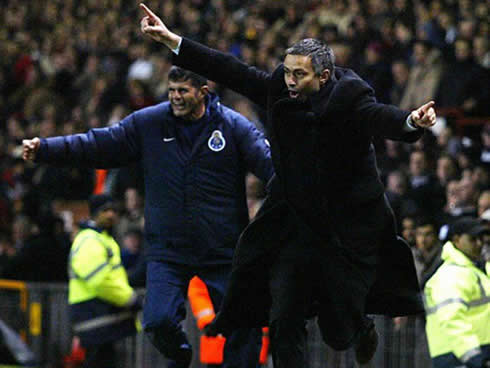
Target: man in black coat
column 325, row 235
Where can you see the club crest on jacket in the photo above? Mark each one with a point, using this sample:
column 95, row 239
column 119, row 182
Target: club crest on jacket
column 216, row 142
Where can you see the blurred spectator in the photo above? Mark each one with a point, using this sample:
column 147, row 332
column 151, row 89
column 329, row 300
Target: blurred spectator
column 427, row 250
column 397, row 194
column 141, row 68
column 485, row 140
column 423, row 184
column 468, row 196
column 461, row 199
column 403, row 33
column 481, row 178
column 447, row 24
column 7, row 251
column 448, row 142
column 483, row 203
column 40, row 257
column 447, row 169
column 131, row 248
column 466, row 157
column 394, row 157
column 139, row 95
column 408, row 230
column 22, row 229
column 132, row 215
column 467, row 28
column 452, row 197
column 464, row 84
column 400, row 72
column 481, row 52
column 343, row 55
column 424, row 77
column 376, row 71
column 427, row 257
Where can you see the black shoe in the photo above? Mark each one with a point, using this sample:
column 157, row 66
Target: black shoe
column 366, row 346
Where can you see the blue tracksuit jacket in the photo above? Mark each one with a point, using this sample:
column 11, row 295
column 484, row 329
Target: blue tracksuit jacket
column 195, row 202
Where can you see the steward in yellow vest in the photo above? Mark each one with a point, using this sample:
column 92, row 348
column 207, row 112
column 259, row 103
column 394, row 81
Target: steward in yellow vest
column 458, row 301
column 103, row 305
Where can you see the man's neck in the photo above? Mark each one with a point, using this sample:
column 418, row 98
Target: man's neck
column 198, row 113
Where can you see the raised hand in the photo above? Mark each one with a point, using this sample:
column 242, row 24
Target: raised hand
column 424, row 116
column 30, row 148
column 153, row 26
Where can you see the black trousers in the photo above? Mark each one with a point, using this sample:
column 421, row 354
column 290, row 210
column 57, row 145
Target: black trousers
column 329, row 275
column 292, row 295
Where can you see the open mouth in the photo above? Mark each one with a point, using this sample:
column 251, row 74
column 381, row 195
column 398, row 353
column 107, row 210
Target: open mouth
column 178, row 106
column 293, row 94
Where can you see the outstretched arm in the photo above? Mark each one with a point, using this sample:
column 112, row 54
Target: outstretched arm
column 390, row 122
column 215, row 65
column 114, row 146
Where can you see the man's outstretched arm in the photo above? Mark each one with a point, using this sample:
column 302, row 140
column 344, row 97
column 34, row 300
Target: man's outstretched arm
column 113, row 146
column 215, row 65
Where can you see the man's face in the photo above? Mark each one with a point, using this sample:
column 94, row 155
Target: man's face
column 420, row 53
column 300, row 77
column 106, row 218
column 445, row 169
column 408, row 231
column 471, row 246
column 187, row 101
column 396, row 184
column 462, row 50
column 417, row 164
column 425, row 237
column 400, row 73
column 483, row 203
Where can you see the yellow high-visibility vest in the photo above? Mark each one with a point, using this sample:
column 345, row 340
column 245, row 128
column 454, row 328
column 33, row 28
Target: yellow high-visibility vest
column 96, row 270
column 457, row 307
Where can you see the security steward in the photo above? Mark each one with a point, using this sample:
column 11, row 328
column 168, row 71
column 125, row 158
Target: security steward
column 103, row 305
column 458, row 300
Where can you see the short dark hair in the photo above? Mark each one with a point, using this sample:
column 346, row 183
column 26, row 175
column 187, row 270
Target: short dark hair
column 99, row 202
column 322, row 56
column 177, row 74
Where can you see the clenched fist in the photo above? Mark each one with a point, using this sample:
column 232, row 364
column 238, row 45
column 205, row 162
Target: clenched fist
column 30, row 148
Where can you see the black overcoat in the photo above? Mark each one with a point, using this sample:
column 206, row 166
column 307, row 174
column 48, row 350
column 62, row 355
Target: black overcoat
column 326, row 191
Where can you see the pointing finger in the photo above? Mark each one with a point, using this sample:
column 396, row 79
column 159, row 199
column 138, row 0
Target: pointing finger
column 148, row 11
column 427, row 106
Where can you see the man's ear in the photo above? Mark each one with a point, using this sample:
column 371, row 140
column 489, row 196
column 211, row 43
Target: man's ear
column 324, row 77
column 454, row 239
column 203, row 91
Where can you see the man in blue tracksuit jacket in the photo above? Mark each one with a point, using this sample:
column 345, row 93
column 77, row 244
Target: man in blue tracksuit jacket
column 195, row 153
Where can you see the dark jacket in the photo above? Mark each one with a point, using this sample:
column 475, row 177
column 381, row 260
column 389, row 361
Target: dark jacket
column 195, row 204
column 326, row 176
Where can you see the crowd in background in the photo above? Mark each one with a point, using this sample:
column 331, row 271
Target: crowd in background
column 71, row 65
